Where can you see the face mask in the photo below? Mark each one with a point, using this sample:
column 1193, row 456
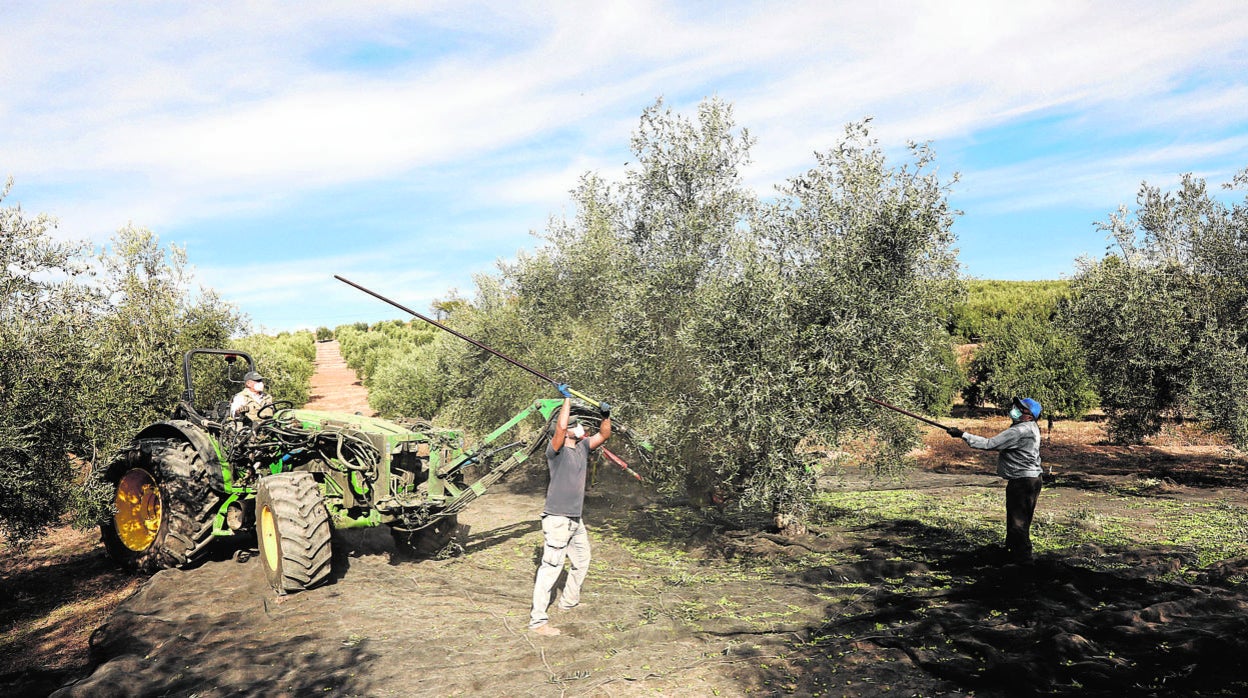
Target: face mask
column 1016, row 414
column 259, row 387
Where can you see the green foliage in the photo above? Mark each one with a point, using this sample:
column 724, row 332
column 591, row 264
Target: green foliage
column 831, row 293
column 990, row 302
column 146, row 321
column 144, row 324
column 1027, row 357
column 407, row 384
column 90, row 351
column 324, row 334
column 940, row 381
column 727, row 329
column 287, row 362
column 397, row 362
column 1164, row 322
column 41, row 307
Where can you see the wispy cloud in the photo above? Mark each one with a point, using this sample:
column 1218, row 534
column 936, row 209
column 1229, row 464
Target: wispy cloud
column 179, row 114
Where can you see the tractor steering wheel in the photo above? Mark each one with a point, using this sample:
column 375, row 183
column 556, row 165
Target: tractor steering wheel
column 270, row 410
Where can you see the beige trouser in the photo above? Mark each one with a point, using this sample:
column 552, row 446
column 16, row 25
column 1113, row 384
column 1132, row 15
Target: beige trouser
column 565, row 538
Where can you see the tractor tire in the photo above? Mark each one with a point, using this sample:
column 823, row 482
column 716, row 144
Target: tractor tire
column 163, row 506
column 429, row 542
column 293, row 532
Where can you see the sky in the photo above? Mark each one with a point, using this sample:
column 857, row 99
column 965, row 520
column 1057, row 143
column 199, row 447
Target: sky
column 409, row 146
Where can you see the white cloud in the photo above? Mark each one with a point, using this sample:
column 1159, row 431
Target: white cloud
column 171, row 113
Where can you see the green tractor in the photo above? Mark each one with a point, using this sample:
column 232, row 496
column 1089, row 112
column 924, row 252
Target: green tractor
column 293, row 476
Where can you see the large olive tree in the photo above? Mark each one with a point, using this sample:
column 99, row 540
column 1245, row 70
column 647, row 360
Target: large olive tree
column 728, row 329
column 1164, row 318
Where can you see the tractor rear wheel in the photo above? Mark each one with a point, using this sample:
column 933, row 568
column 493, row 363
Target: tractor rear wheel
column 431, row 541
column 163, row 506
column 293, row 531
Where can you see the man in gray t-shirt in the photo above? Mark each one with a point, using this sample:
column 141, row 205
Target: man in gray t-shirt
column 563, row 531
column 1018, row 461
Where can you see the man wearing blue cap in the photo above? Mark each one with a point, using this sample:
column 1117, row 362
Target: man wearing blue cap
column 1018, row 461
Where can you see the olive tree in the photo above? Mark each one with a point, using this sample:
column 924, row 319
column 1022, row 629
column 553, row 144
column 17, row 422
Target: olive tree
column 1028, row 357
column 90, row 350
column 147, row 319
column 833, row 294
column 728, row 329
column 1163, row 319
column 42, row 313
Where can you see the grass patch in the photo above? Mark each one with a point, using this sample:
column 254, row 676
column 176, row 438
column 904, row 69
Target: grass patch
column 1212, row 532
column 966, row 516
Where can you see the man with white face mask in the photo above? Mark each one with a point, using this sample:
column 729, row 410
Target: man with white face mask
column 251, row 399
column 1018, row 461
column 563, row 531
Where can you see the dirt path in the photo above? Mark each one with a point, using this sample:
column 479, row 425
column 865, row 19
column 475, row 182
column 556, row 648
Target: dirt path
column 334, row 385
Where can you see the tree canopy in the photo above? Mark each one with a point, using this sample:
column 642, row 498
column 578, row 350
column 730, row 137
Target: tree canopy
column 728, row 327
column 1164, row 319
column 91, row 346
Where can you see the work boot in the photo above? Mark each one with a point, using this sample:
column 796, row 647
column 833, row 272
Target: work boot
column 1019, row 556
column 546, row 629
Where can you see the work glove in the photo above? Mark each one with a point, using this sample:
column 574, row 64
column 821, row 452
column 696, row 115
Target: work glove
column 563, row 389
column 605, row 410
column 955, row 432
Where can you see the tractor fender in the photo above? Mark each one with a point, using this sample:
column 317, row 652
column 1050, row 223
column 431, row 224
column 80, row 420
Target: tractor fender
column 197, row 437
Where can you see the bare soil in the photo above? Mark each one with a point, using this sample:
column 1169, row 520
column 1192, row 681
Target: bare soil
column 687, row 603
column 335, row 387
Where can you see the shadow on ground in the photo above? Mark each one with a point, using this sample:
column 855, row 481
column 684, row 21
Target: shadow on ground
column 1093, row 621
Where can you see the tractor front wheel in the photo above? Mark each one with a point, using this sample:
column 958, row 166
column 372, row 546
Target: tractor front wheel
column 163, row 506
column 293, row 531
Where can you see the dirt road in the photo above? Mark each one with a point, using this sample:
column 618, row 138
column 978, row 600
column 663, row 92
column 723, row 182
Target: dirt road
column 335, row 387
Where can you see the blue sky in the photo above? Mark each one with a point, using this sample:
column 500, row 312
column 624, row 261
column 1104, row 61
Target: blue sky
column 409, row 145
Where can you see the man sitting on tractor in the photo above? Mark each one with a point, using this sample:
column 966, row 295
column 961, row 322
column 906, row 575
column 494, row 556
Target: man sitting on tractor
column 251, row 399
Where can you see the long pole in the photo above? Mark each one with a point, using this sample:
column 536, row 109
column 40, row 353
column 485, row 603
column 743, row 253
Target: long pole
column 894, row 408
column 440, row 326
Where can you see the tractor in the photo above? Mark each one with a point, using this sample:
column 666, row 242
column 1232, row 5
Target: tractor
column 293, row 476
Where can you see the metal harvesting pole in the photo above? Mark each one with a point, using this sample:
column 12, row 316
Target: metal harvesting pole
column 894, row 408
column 468, row 339
column 609, row 455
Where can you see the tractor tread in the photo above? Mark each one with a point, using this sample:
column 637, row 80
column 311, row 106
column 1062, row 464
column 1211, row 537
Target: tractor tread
column 188, row 501
column 303, row 531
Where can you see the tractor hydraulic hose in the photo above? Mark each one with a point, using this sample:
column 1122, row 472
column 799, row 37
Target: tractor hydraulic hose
column 894, row 408
column 440, row 326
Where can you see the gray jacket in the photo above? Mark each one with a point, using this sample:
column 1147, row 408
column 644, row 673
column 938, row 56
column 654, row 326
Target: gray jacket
column 1018, row 450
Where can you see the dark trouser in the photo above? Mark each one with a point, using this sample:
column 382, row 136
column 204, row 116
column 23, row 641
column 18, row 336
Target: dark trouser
column 1020, row 505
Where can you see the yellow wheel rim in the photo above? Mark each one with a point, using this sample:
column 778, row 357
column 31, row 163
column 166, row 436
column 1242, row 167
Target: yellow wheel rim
column 268, row 538
column 138, row 510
